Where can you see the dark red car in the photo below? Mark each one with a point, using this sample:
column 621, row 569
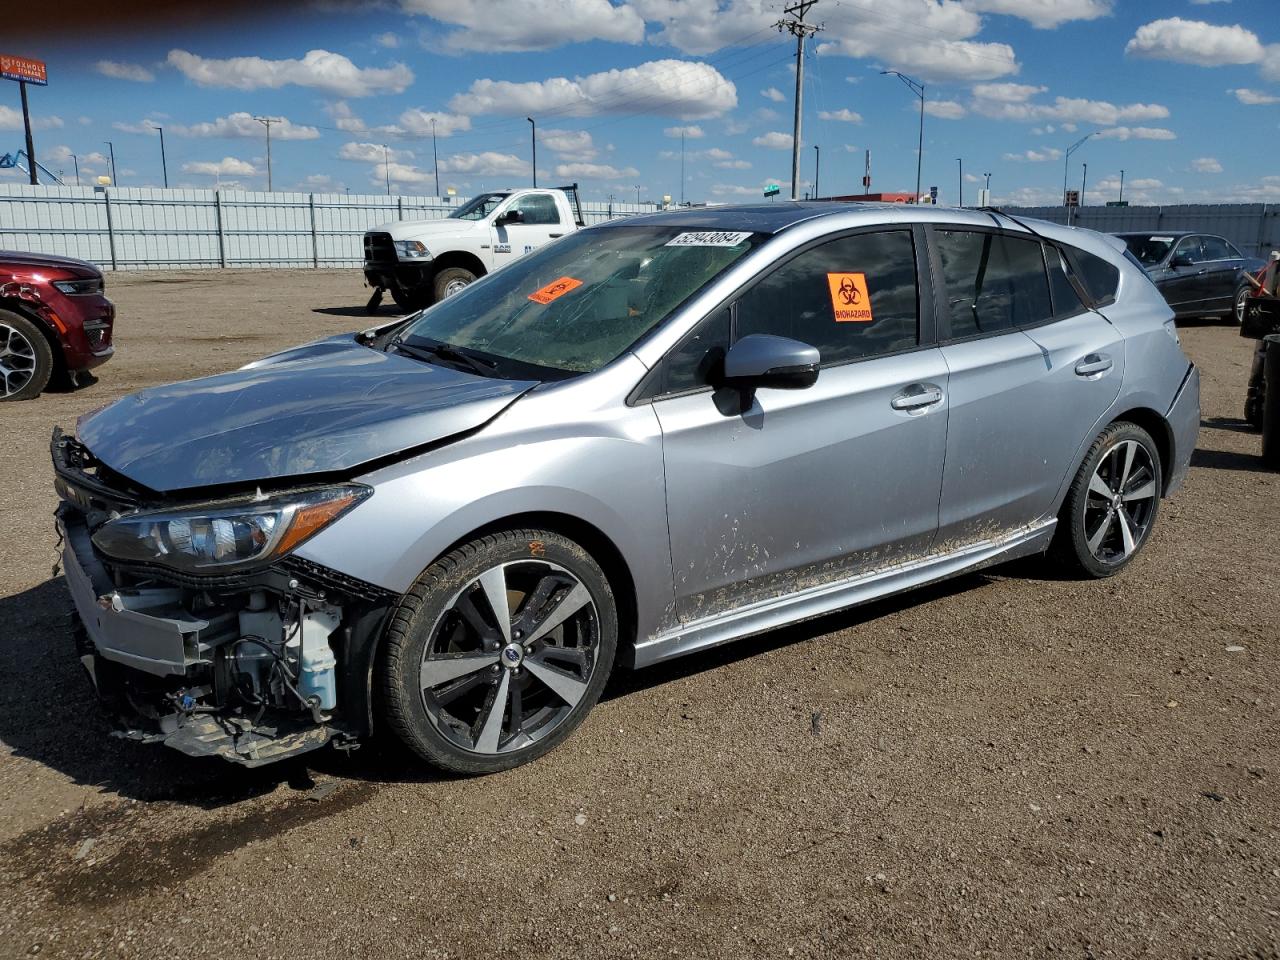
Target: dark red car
column 54, row 321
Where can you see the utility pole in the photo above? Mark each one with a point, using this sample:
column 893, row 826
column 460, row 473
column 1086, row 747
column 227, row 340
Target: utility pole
column 793, row 23
column 267, row 122
column 164, row 166
column 637, row 194
column 111, row 152
column 386, row 166
column 1083, row 178
column 866, row 173
column 817, row 170
column 960, row 161
column 682, row 166
column 1121, row 186
column 435, row 157
column 1066, row 160
column 76, row 161
column 918, row 89
column 533, row 138
column 26, row 124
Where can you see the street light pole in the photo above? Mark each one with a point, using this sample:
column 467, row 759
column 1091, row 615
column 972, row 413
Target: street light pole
column 533, row 138
column 386, row 165
column 988, row 176
column 111, row 153
column 1084, row 176
column 918, row 89
column 682, row 166
column 960, row 161
column 817, row 169
column 164, row 166
column 637, row 194
column 1066, row 160
column 76, row 161
column 1122, row 186
column 435, row 157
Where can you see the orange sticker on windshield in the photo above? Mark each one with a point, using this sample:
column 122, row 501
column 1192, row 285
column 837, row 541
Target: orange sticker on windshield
column 849, row 297
column 554, row 290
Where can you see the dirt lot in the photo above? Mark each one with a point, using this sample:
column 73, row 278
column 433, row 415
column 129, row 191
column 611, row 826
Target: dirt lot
column 1009, row 765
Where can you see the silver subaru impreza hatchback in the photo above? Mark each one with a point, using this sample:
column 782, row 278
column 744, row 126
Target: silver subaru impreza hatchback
column 650, row 437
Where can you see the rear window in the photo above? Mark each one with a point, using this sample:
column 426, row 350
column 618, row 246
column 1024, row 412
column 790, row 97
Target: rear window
column 1099, row 278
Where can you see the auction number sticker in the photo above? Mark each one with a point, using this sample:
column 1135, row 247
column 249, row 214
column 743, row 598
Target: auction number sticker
column 555, row 290
column 708, row 238
column 849, row 298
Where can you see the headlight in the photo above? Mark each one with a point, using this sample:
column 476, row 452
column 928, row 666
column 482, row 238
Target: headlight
column 79, row 288
column 217, row 537
column 411, row 250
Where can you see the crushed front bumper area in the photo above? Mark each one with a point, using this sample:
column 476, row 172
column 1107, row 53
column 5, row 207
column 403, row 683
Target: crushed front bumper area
column 250, row 668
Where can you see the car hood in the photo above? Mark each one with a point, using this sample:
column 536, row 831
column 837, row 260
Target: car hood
column 426, row 229
column 326, row 407
column 15, row 258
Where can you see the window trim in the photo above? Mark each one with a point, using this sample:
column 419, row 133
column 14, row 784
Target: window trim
column 944, row 316
column 1083, row 306
column 650, row 387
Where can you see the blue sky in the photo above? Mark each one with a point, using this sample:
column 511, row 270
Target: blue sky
column 1184, row 95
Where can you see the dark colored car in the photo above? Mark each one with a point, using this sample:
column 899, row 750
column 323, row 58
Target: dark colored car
column 1199, row 274
column 54, row 321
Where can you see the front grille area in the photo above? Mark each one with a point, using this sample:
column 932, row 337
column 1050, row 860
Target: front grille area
column 99, row 334
column 379, row 248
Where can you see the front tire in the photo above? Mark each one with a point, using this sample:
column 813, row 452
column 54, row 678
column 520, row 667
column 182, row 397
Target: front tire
column 1238, row 304
column 26, row 359
column 452, row 280
column 498, row 651
column 1112, row 504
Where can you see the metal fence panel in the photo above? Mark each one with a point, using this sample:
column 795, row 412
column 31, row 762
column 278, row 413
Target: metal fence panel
column 1253, row 227
column 144, row 228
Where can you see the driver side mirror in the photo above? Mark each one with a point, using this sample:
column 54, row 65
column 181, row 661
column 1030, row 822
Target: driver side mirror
column 1180, row 260
column 511, row 216
column 763, row 360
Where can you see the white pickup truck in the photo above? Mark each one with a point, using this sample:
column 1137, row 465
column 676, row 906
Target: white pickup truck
column 422, row 261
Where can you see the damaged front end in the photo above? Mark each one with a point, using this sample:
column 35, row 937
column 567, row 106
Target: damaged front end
column 201, row 630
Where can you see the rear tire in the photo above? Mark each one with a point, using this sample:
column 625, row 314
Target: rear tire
column 498, row 651
column 1236, row 315
column 451, row 280
column 1112, row 504
column 26, row 359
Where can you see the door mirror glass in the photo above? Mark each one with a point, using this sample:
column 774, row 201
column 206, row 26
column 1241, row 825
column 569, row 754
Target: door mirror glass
column 763, row 360
column 511, row 216
column 1180, row 260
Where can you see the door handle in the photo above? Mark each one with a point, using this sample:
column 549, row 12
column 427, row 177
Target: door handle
column 1094, row 365
column 555, row 236
column 917, row 398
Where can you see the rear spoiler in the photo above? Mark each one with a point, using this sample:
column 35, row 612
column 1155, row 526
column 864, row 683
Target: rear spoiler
column 571, row 191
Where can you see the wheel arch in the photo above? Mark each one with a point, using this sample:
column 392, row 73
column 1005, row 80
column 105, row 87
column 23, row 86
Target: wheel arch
column 1156, row 425
column 458, row 258
column 45, row 327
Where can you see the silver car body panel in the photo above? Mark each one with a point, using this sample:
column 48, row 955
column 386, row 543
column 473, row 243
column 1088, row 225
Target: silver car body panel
column 871, row 502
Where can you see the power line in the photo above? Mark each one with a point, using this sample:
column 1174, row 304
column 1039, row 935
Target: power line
column 793, row 23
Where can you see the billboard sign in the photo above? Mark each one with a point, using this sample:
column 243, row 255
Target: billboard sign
column 23, row 68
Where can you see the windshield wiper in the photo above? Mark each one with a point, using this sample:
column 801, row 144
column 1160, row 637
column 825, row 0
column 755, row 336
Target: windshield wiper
column 446, row 351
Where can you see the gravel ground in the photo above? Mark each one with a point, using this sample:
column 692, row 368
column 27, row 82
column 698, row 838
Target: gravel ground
column 1006, row 765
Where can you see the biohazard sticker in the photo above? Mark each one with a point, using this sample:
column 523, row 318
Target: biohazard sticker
column 555, row 290
column 708, row 238
column 849, row 298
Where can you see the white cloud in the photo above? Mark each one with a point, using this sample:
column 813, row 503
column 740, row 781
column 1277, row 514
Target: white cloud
column 774, row 94
column 146, row 127
column 691, row 131
column 372, row 153
column 699, row 26
column 1034, row 156
column 417, row 122
column 1206, row 165
column 732, row 165
column 1003, row 105
column 577, row 143
column 226, row 167
column 389, row 40
column 773, row 140
column 1044, row 14
column 1195, row 42
column 124, row 71
column 511, row 25
column 486, row 164
column 319, row 69
column 11, row 119
column 844, row 114
column 945, row 109
column 243, row 125
column 1006, row 92
column 344, row 118
column 665, row 87
column 593, row 171
column 1136, row 133
column 1254, row 98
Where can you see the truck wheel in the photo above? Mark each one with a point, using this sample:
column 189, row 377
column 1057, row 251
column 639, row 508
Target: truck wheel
column 407, row 301
column 26, row 359
column 451, row 280
column 498, row 651
column 1270, row 402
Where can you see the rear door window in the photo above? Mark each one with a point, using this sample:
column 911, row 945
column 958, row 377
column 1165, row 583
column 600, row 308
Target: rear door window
column 1099, row 278
column 852, row 297
column 994, row 282
column 538, row 208
column 1066, row 301
column 1215, row 248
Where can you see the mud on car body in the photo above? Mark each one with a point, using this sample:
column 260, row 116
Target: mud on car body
column 650, row 437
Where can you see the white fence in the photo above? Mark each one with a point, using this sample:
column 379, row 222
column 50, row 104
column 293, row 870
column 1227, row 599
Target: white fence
column 140, row 228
